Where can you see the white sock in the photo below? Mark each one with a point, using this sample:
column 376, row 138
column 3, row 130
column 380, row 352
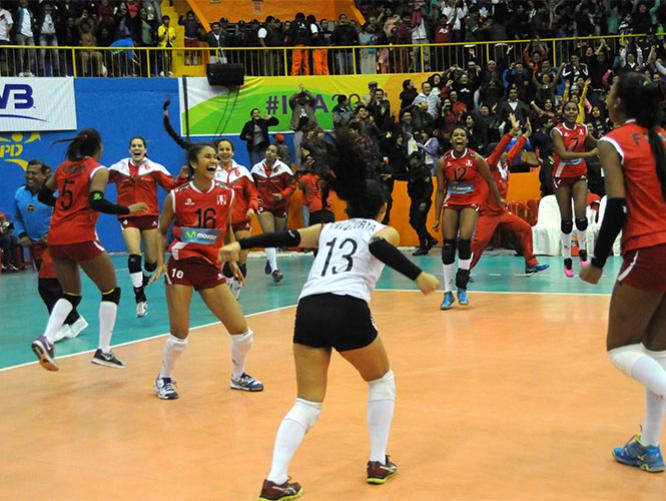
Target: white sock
column 633, row 361
column 271, row 255
column 173, row 349
column 581, row 236
column 381, row 402
column 566, row 245
column 137, row 279
column 448, row 276
column 302, row 416
column 107, row 320
column 240, row 348
column 464, row 264
column 655, row 408
column 57, row 317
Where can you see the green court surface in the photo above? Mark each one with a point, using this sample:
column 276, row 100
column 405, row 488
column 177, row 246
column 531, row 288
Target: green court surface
column 24, row 316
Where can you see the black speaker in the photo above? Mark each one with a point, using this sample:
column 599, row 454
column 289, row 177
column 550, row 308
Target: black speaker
column 229, row 75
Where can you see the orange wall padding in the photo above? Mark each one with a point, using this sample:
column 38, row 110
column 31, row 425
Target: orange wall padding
column 247, row 10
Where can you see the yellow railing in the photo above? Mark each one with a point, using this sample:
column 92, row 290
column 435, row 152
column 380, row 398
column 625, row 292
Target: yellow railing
column 279, row 61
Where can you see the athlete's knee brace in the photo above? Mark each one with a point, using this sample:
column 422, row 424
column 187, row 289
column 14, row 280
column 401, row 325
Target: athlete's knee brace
column 464, row 249
column 72, row 298
column 226, row 270
column 625, row 357
column 305, row 413
column 462, row 278
column 382, row 388
column 134, row 263
column 150, row 267
column 112, row 296
column 581, row 223
column 566, row 226
column 449, row 251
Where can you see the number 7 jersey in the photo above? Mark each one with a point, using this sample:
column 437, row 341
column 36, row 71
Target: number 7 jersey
column 344, row 264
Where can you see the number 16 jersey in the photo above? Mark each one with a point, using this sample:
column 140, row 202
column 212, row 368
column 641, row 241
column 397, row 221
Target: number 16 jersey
column 344, row 264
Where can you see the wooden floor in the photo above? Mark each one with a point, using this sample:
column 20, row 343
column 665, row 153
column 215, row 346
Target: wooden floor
column 500, row 401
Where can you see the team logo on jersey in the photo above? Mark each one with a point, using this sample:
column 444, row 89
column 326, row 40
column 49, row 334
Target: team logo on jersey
column 189, row 201
column 204, row 236
column 221, row 200
column 468, row 163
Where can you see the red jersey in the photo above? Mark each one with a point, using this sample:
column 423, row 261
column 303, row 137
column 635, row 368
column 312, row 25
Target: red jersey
column 313, row 195
column 645, row 225
column 73, row 221
column 270, row 180
column 500, row 170
column 574, row 140
column 201, row 221
column 463, row 178
column 138, row 183
column 246, row 197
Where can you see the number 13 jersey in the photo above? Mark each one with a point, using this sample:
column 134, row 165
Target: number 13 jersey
column 344, row 264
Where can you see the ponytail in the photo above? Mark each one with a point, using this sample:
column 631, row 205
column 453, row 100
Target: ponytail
column 85, row 144
column 657, row 147
column 170, row 130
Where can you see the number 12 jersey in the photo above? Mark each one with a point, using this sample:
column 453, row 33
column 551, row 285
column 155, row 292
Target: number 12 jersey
column 344, row 264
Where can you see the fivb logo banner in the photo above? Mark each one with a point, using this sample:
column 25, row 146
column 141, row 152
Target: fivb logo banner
column 37, row 104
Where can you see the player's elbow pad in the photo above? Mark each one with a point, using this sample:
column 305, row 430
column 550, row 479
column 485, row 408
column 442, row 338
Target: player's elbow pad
column 290, row 238
column 614, row 217
column 392, row 257
column 99, row 203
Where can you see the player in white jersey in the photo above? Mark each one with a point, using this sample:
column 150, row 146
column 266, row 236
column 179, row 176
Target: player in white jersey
column 333, row 312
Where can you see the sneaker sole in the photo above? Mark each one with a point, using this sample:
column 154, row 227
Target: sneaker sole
column 43, row 357
column 284, row 498
column 165, row 397
column 245, row 388
column 445, row 308
column 380, row 481
column 103, row 363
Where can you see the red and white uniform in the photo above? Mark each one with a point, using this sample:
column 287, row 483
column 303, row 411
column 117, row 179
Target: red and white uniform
column 313, row 195
column 644, row 231
column 574, row 140
column 463, row 180
column 201, row 221
column 138, row 183
column 238, row 179
column 271, row 180
column 72, row 234
column 493, row 215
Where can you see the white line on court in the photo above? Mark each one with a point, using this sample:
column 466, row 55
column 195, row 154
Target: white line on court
column 533, row 293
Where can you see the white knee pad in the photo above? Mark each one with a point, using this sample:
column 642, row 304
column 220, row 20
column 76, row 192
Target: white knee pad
column 382, row 388
column 659, row 356
column 177, row 344
column 625, row 357
column 305, row 413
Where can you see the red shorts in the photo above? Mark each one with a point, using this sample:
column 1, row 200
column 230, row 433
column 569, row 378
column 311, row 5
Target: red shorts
column 645, row 268
column 82, row 251
column 242, row 226
column 568, row 181
column 195, row 273
column 280, row 212
column 140, row 222
column 459, row 207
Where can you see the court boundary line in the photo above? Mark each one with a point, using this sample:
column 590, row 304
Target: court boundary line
column 149, row 338
column 530, row 293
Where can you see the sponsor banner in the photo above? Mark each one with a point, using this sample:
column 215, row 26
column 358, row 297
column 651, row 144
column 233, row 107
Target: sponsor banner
column 215, row 110
column 205, row 236
column 37, row 104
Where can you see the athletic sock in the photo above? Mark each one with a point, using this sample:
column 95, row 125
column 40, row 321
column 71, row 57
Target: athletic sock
column 448, row 276
column 240, row 348
column 271, row 255
column 655, row 408
column 107, row 320
column 59, row 313
column 173, row 349
column 566, row 245
column 581, row 236
column 381, row 402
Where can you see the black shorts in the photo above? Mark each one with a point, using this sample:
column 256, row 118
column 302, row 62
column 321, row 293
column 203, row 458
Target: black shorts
column 333, row 321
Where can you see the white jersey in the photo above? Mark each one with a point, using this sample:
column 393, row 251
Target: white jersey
column 344, row 264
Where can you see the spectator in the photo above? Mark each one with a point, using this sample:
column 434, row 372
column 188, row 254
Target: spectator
column 300, row 34
column 342, row 113
column 320, row 55
column 166, row 36
column 575, row 69
column 430, row 98
column 216, row 39
column 368, row 57
column 6, row 24
column 408, row 94
column 303, row 118
column 8, row 243
column 25, row 36
column 420, row 55
column 284, row 155
column 255, row 134
column 47, row 37
column 344, row 35
column 380, row 110
column 515, row 106
column 271, row 35
column 193, row 30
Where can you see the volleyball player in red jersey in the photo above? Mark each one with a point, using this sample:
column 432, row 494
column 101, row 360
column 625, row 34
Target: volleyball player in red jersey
column 275, row 184
column 80, row 182
column 246, row 203
column 136, row 180
column 460, row 173
column 634, row 163
column 492, row 215
column 202, row 215
column 570, row 180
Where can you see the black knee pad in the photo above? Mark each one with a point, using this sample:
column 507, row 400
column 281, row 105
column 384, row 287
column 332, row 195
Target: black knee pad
column 449, row 251
column 150, row 267
column 581, row 223
column 462, row 279
column 75, row 300
column 134, row 263
column 243, row 269
column 226, row 270
column 464, row 249
column 566, row 226
column 113, row 296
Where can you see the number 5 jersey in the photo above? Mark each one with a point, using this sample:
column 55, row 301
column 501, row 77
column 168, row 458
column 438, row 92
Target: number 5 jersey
column 344, row 264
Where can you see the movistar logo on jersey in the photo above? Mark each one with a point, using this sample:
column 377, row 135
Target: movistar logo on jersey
column 204, row 236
